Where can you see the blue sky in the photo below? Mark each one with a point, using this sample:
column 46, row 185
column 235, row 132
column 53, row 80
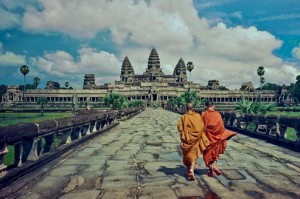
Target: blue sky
column 225, row 39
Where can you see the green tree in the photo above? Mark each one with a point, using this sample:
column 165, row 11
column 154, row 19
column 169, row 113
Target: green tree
column 115, row 101
column 187, row 97
column 136, row 103
column 24, row 70
column 223, row 88
column 42, row 101
column 270, row 86
column 3, row 89
column 36, row 81
column 298, row 79
column 66, row 84
column 27, row 86
column 295, row 89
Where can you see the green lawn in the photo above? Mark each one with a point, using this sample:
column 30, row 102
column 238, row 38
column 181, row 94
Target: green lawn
column 283, row 113
column 15, row 118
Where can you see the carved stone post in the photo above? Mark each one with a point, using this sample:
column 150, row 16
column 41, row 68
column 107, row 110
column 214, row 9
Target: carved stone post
column 66, row 136
column 49, row 139
column 35, row 149
column 297, row 130
column 3, row 152
column 18, row 154
column 95, row 127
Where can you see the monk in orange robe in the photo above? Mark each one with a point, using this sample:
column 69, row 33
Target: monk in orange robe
column 217, row 135
column 190, row 127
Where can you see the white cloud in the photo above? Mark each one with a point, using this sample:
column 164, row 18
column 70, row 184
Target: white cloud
column 8, row 19
column 10, row 58
column 296, row 52
column 237, row 15
column 62, row 65
column 230, row 55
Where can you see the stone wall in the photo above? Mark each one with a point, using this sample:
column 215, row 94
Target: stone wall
column 273, row 128
column 36, row 143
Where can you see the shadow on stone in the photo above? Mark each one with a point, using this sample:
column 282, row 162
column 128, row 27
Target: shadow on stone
column 208, row 195
column 180, row 170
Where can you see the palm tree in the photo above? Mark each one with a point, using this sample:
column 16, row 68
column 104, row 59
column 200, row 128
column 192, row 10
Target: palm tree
column 67, row 84
column 262, row 80
column 36, row 81
column 24, row 70
column 42, row 101
column 261, row 72
column 190, row 67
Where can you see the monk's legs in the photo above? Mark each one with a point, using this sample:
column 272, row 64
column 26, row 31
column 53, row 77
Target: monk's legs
column 215, row 168
column 191, row 171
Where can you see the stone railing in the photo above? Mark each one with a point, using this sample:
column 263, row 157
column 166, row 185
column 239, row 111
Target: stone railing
column 38, row 143
column 272, row 128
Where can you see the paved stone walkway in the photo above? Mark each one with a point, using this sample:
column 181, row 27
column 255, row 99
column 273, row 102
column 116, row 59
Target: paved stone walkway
column 140, row 158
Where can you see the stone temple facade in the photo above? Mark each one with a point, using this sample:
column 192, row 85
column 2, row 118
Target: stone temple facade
column 153, row 86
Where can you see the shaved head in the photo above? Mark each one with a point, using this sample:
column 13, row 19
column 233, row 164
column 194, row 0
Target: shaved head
column 189, row 106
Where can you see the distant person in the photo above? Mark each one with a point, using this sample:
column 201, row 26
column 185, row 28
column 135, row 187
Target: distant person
column 193, row 140
column 217, row 135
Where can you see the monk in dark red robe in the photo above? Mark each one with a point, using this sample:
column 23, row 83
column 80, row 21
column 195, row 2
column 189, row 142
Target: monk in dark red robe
column 217, row 135
column 190, row 127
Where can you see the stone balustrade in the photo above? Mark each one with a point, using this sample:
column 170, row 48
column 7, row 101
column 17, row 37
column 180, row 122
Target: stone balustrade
column 272, row 127
column 42, row 141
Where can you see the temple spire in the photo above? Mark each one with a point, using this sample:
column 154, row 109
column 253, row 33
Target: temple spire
column 127, row 71
column 153, row 64
column 180, row 71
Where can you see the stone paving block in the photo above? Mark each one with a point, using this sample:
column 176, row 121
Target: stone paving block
column 191, row 190
column 162, row 180
column 30, row 195
column 162, row 168
column 96, row 169
column 85, row 152
column 155, row 192
column 48, row 181
column 145, row 156
column 125, row 181
column 118, row 193
column 92, row 194
column 172, row 156
column 118, row 165
column 64, row 170
column 113, row 172
column 109, row 150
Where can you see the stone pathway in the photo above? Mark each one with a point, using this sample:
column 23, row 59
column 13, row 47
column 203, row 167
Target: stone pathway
column 141, row 158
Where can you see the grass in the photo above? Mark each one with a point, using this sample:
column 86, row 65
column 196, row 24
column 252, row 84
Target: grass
column 16, row 118
column 290, row 132
column 284, row 113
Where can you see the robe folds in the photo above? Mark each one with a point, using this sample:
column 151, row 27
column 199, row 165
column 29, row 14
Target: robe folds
column 193, row 140
column 217, row 135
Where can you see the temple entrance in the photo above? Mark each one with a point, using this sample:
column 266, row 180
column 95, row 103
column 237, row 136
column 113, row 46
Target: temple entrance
column 154, row 97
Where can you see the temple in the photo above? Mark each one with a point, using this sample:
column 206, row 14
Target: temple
column 153, row 86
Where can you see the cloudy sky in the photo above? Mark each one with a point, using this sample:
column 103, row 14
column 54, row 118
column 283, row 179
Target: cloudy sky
column 61, row 40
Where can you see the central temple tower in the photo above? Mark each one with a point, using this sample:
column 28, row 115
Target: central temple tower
column 153, row 69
